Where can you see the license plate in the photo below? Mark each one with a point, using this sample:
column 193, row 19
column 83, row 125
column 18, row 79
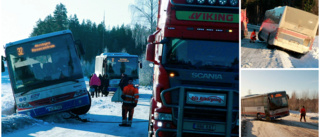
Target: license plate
column 53, row 108
column 212, row 99
column 203, row 126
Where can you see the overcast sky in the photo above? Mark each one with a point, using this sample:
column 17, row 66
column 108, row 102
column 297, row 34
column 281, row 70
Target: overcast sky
column 18, row 17
column 264, row 81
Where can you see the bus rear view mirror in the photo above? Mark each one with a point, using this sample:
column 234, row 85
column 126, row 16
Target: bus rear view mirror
column 2, row 64
column 80, row 47
column 150, row 52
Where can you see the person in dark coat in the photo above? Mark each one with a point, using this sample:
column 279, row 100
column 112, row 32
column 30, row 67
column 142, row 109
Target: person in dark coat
column 99, row 91
column 124, row 81
column 105, row 84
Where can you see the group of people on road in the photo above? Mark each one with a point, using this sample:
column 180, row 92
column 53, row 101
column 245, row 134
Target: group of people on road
column 99, row 85
column 130, row 94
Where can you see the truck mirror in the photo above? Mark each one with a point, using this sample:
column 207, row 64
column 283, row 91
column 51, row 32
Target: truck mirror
column 150, row 52
column 2, row 64
column 151, row 38
column 80, row 47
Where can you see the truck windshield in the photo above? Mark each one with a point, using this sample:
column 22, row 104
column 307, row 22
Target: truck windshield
column 200, row 54
column 118, row 65
column 43, row 63
column 278, row 100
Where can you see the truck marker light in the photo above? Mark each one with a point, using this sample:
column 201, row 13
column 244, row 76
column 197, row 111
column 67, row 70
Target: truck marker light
column 190, row 28
column 233, row 2
column 211, row 2
column 201, row 29
column 172, row 74
column 189, row 1
column 200, row 1
column 210, row 30
column 222, row 2
column 219, row 30
column 230, row 30
column 171, row 28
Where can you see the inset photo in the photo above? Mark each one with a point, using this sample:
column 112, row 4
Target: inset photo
column 279, row 103
column 279, row 34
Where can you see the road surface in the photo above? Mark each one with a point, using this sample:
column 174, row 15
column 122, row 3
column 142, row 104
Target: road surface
column 289, row 126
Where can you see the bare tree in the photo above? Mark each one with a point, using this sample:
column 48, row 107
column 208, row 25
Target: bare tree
column 145, row 13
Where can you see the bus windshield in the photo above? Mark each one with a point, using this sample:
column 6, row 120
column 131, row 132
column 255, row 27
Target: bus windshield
column 200, row 54
column 118, row 65
column 43, row 63
column 278, row 100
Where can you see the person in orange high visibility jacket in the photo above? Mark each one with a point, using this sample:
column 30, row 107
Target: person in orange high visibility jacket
column 303, row 114
column 253, row 36
column 130, row 96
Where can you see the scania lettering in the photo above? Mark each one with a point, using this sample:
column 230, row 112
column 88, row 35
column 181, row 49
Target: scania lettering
column 114, row 64
column 205, row 75
column 46, row 75
column 267, row 106
column 195, row 51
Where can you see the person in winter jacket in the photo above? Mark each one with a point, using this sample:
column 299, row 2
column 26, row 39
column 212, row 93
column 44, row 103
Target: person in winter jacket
column 124, row 81
column 95, row 83
column 130, row 96
column 105, row 84
column 253, row 36
column 303, row 114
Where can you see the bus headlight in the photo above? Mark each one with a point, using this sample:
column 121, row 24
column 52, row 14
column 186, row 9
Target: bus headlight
column 222, row 2
column 233, row 2
column 79, row 92
column 162, row 116
column 24, row 105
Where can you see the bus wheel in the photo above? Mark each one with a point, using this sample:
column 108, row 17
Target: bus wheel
column 259, row 117
column 269, row 46
column 84, row 109
column 259, row 36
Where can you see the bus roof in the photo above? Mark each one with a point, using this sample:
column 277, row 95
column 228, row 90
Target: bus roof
column 257, row 95
column 118, row 54
column 38, row 37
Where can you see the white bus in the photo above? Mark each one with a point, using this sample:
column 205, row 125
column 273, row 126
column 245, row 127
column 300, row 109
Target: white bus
column 289, row 28
column 114, row 64
column 268, row 106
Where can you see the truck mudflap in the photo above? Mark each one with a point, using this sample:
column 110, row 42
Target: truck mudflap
column 210, row 99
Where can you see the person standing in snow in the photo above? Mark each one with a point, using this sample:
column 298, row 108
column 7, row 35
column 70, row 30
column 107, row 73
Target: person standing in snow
column 124, row 81
column 253, row 36
column 130, row 96
column 95, row 83
column 303, row 114
column 105, row 84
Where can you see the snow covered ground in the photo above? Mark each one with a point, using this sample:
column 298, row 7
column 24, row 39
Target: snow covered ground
column 289, row 126
column 257, row 55
column 104, row 114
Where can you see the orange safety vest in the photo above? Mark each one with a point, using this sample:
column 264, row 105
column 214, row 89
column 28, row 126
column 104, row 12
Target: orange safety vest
column 253, row 34
column 131, row 94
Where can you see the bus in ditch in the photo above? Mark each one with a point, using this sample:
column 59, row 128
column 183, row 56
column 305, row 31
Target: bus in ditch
column 289, row 28
column 46, row 75
column 116, row 64
column 269, row 106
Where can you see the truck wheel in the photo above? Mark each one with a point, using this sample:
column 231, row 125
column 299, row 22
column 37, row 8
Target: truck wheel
column 259, row 36
column 84, row 109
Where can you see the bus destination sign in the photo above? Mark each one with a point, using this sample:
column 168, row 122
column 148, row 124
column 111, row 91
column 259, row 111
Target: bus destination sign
column 43, row 46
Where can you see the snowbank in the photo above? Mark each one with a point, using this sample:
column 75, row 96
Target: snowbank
column 17, row 121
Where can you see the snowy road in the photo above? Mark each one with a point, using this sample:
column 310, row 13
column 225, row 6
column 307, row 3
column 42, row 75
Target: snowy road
column 289, row 126
column 257, row 55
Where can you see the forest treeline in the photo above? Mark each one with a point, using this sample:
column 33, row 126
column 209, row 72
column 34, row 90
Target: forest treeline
column 296, row 101
column 256, row 8
column 95, row 38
